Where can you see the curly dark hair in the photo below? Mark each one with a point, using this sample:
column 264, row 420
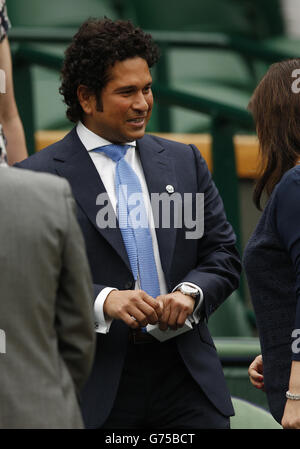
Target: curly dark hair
column 97, row 45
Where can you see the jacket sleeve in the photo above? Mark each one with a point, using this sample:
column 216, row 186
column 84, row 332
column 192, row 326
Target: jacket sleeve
column 74, row 311
column 218, row 266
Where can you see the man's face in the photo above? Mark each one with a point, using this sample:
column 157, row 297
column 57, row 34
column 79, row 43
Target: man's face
column 126, row 103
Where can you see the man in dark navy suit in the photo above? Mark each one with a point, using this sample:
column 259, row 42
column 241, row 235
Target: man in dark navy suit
column 168, row 275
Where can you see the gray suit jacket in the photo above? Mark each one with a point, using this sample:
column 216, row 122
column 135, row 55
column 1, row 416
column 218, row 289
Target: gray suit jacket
column 46, row 308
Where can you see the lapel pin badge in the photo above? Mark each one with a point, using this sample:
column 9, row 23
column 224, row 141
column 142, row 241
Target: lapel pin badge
column 170, row 189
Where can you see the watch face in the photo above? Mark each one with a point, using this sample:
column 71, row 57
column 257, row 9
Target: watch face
column 189, row 290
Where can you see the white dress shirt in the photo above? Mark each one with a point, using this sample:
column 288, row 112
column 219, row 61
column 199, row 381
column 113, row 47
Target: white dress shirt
column 106, row 169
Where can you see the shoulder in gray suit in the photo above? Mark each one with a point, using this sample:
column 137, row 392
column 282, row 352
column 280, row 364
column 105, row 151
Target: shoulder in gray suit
column 46, row 314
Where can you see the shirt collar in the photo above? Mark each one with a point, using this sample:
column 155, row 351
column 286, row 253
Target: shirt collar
column 91, row 140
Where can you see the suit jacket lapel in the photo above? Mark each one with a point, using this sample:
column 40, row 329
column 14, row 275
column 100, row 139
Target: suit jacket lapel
column 73, row 163
column 159, row 172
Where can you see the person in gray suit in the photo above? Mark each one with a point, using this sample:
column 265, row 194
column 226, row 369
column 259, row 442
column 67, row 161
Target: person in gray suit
column 46, row 314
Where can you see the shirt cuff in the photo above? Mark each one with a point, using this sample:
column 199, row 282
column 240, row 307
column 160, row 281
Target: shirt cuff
column 102, row 324
column 196, row 315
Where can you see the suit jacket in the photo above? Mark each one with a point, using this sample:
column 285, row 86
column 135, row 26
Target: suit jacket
column 211, row 262
column 45, row 303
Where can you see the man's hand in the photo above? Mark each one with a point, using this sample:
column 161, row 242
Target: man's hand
column 176, row 308
column 135, row 307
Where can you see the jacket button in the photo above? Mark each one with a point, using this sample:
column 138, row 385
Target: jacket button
column 128, row 285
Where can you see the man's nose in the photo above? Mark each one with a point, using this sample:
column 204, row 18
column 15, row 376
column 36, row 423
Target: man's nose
column 140, row 103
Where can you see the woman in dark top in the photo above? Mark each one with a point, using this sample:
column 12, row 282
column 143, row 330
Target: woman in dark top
column 272, row 255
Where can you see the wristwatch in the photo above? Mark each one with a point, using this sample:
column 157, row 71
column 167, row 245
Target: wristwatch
column 188, row 289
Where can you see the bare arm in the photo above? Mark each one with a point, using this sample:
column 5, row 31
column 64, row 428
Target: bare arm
column 9, row 115
column 291, row 415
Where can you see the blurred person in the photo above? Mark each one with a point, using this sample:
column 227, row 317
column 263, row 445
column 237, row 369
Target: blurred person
column 142, row 275
column 272, row 255
column 46, row 317
column 13, row 143
column 290, row 10
column 46, row 312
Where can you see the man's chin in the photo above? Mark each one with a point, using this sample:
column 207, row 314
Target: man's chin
column 138, row 134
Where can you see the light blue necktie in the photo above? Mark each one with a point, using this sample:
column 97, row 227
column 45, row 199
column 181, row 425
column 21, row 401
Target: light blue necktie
column 135, row 232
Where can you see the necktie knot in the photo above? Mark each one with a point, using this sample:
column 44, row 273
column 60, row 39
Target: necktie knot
column 114, row 152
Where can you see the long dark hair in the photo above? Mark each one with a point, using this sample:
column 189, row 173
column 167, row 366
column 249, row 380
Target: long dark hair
column 275, row 106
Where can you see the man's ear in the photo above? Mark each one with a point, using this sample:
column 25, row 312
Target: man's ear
column 86, row 99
